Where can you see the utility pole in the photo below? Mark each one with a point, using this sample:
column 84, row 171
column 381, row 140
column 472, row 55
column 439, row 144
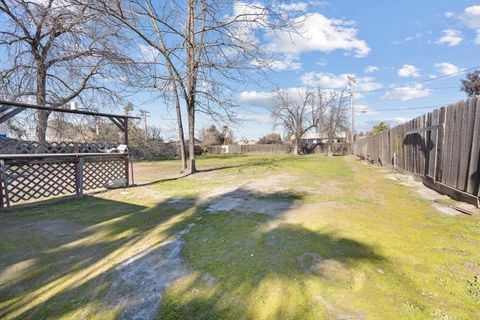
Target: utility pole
column 351, row 83
column 97, row 126
column 144, row 114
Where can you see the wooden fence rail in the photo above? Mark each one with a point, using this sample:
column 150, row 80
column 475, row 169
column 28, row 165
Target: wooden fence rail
column 441, row 146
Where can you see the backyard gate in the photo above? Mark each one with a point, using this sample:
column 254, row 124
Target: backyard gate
column 31, row 170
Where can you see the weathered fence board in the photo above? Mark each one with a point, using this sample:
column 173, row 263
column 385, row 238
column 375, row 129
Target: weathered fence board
column 474, row 165
column 443, row 145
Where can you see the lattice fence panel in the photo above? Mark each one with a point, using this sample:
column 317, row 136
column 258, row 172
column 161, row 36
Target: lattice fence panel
column 12, row 146
column 98, row 173
column 39, row 180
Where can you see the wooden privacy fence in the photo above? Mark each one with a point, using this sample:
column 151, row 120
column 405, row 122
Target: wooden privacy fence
column 441, row 146
column 254, row 148
column 337, row 149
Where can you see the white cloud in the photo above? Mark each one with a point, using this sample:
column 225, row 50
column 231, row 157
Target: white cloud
column 294, row 6
column 332, row 81
column 446, row 68
column 148, row 53
column 407, row 93
column 471, row 17
column 451, row 37
column 417, row 37
column 408, row 71
column 257, row 98
column 449, row 14
column 267, row 99
column 400, row 120
column 288, row 62
column 244, row 29
column 319, row 33
column 255, row 117
column 371, row 69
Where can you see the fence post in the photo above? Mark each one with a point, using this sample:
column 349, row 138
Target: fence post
column 4, row 185
column 79, row 177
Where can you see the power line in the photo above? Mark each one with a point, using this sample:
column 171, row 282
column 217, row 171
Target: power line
column 412, row 108
column 423, row 81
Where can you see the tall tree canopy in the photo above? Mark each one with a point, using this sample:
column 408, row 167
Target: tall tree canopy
column 202, row 49
column 57, row 51
column 471, row 85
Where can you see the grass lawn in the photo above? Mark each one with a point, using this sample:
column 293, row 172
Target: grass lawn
column 249, row 237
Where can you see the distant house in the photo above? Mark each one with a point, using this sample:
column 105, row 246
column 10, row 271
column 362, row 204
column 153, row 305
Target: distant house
column 247, row 142
column 196, row 142
column 315, row 137
column 187, row 142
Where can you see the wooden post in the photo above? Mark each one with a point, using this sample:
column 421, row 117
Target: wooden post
column 127, row 169
column 2, row 204
column 79, row 177
column 4, row 184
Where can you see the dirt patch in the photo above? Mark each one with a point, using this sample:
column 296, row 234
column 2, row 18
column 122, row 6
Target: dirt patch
column 271, row 183
column 138, row 284
column 243, row 201
column 431, row 195
column 148, row 172
column 371, row 195
column 326, row 187
column 329, row 269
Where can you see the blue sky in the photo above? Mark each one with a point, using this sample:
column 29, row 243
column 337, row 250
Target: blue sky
column 383, row 43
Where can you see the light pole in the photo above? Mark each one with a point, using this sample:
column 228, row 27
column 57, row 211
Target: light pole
column 144, row 113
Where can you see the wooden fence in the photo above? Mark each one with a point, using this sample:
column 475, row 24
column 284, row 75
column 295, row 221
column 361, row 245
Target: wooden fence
column 30, row 171
column 442, row 147
column 254, row 148
column 337, row 149
column 14, row 146
column 30, row 177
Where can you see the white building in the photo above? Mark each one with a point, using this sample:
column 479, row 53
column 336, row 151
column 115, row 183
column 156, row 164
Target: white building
column 315, row 137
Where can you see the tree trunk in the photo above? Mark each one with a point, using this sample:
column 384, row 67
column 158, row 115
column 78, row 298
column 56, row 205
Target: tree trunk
column 181, row 135
column 329, row 147
column 192, row 79
column 296, row 146
column 41, row 97
column 191, row 138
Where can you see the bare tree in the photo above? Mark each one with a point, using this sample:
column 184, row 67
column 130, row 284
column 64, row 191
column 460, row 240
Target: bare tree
column 205, row 45
column 58, row 51
column 322, row 110
column 296, row 115
column 334, row 107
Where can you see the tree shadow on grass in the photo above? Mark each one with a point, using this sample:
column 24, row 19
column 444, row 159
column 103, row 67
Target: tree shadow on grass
column 68, row 250
column 259, row 268
column 126, row 255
